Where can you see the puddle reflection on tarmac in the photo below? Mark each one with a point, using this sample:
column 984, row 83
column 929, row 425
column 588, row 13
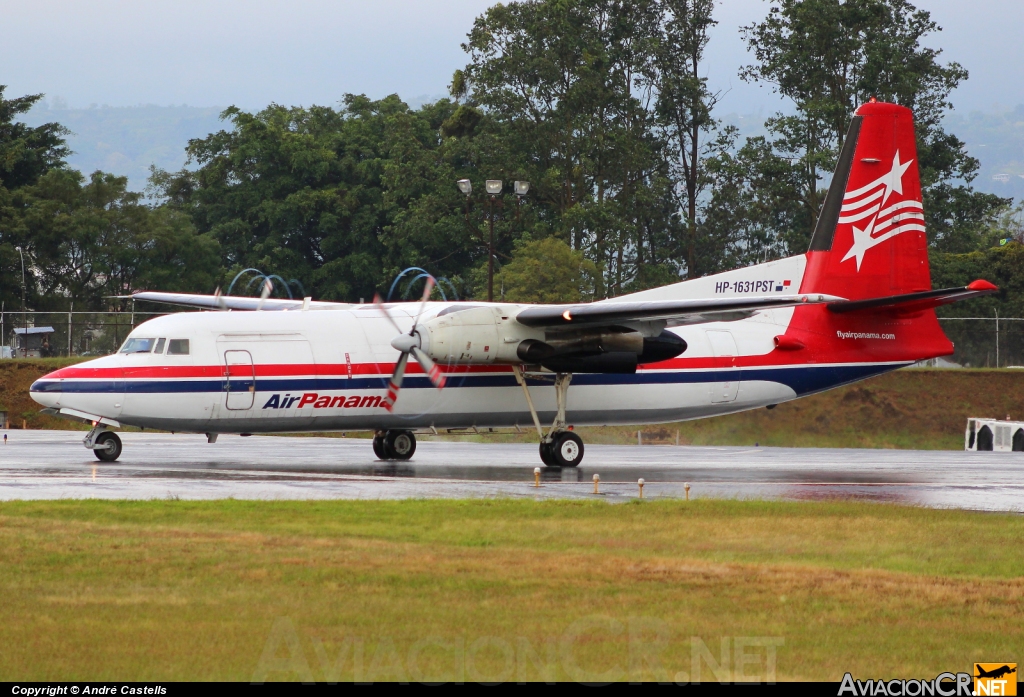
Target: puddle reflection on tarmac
column 53, row 464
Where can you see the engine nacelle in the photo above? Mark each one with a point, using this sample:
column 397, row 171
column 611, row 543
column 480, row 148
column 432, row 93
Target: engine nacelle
column 476, row 335
column 490, row 334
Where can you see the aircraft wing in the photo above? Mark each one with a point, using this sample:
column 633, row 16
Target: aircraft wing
column 674, row 312
column 226, row 302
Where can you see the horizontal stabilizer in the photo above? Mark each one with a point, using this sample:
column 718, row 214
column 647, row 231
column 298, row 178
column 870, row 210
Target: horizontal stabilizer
column 674, row 312
column 916, row 302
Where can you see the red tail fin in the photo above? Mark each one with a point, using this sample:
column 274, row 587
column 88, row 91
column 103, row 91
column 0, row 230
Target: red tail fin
column 869, row 244
column 869, row 241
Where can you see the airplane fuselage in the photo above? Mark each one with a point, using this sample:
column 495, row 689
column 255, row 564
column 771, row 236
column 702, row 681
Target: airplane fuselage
column 327, row 370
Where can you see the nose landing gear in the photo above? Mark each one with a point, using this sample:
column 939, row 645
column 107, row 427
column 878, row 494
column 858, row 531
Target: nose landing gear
column 394, row 445
column 104, row 444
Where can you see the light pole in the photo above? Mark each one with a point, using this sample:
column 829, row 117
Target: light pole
column 24, row 317
column 493, row 188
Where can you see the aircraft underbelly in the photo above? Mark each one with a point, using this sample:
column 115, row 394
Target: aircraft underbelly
column 484, row 407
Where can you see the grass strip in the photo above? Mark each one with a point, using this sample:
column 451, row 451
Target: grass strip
column 502, row 589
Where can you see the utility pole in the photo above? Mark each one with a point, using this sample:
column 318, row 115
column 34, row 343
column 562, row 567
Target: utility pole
column 24, row 316
column 997, row 338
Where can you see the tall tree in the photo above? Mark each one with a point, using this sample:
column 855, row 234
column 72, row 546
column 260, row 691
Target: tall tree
column 684, row 108
column 569, row 83
column 829, row 56
column 26, row 154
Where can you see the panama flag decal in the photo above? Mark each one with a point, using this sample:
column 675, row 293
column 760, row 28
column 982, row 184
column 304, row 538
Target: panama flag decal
column 873, row 220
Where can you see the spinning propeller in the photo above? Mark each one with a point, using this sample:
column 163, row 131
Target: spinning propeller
column 409, row 344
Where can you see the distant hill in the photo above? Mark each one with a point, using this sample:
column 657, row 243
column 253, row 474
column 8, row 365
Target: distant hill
column 127, row 140
column 997, row 140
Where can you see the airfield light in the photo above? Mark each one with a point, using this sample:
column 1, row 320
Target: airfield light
column 536, row 476
column 597, row 483
column 493, row 186
column 465, row 186
column 522, row 188
column 640, row 483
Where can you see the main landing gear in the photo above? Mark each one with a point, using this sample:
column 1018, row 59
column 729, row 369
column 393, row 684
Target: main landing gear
column 394, row 445
column 560, row 447
column 104, row 444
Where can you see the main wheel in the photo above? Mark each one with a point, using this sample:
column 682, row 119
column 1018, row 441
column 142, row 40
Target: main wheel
column 399, row 445
column 545, row 455
column 567, row 449
column 378, row 447
column 108, row 446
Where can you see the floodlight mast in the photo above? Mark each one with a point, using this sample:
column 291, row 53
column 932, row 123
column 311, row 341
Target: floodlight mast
column 493, row 188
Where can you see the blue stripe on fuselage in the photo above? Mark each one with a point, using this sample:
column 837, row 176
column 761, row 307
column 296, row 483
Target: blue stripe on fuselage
column 801, row 379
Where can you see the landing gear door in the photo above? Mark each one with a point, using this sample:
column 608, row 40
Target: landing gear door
column 240, row 380
column 723, row 345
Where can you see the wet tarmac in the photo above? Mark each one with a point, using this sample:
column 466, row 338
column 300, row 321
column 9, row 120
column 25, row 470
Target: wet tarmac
column 54, row 465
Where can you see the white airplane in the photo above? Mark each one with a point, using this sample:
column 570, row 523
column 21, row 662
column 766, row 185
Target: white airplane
column 859, row 303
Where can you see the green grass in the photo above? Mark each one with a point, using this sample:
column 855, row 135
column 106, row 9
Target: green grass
column 231, row 589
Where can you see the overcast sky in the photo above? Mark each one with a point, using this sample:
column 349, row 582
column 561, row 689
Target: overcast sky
column 252, row 52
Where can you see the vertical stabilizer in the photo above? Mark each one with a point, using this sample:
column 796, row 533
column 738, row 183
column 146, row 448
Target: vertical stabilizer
column 870, row 237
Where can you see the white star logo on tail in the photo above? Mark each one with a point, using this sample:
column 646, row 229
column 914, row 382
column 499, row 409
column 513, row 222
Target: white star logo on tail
column 897, row 218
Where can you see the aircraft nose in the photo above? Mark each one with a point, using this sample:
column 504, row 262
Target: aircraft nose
column 47, row 390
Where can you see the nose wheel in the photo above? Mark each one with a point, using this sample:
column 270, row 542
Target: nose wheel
column 108, row 447
column 394, row 445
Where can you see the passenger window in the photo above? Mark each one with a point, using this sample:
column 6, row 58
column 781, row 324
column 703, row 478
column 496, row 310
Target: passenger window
column 140, row 346
column 159, row 346
column 177, row 347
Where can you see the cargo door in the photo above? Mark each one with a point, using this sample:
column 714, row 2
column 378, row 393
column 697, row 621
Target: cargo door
column 723, row 345
column 240, row 380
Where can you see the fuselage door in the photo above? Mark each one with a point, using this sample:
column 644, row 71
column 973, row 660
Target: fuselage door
column 723, row 345
column 240, row 380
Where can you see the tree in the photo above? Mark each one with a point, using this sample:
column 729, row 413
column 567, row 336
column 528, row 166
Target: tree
column 684, row 106
column 547, row 271
column 829, row 56
column 90, row 240
column 570, row 86
column 25, row 155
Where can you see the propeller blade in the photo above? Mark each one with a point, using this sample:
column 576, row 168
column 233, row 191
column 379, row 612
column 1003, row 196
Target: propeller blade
column 428, row 286
column 395, row 384
column 220, row 299
column 430, row 367
column 268, row 288
column 380, row 306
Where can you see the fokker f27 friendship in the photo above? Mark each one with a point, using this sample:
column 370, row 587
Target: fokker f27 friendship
column 859, row 303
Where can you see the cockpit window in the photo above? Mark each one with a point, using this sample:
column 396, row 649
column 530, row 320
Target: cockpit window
column 159, row 346
column 177, row 347
column 138, row 346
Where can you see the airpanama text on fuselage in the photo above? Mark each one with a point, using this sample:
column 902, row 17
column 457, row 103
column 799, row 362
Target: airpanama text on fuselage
column 324, row 401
